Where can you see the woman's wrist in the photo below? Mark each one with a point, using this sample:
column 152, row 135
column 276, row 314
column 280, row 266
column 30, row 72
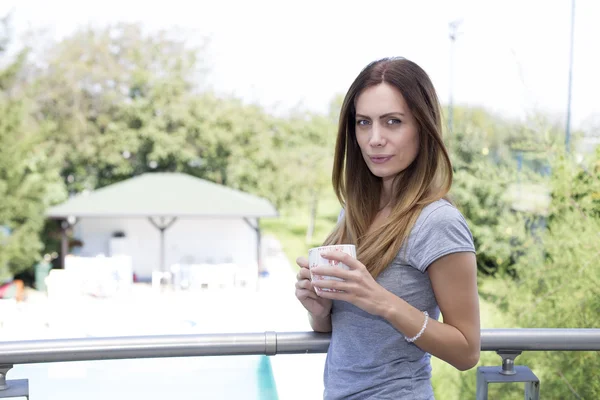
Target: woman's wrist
column 388, row 306
column 320, row 324
column 322, row 316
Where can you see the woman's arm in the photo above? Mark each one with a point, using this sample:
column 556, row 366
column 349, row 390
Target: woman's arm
column 457, row 339
column 454, row 281
column 320, row 324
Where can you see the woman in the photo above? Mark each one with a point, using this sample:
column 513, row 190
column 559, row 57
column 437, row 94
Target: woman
column 415, row 252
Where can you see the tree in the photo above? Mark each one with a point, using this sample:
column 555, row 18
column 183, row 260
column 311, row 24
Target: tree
column 558, row 284
column 28, row 176
column 484, row 172
column 556, row 277
column 117, row 99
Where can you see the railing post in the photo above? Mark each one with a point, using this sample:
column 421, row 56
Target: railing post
column 508, row 361
column 14, row 388
column 507, row 373
column 3, row 371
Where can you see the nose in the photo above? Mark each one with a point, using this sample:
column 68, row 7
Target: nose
column 376, row 139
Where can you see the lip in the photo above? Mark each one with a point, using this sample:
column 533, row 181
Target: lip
column 380, row 159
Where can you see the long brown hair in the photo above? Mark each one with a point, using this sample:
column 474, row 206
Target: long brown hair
column 426, row 180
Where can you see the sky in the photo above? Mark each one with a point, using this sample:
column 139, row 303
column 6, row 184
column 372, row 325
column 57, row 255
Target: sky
column 511, row 56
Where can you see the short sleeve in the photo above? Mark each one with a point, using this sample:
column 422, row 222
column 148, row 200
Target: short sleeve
column 444, row 231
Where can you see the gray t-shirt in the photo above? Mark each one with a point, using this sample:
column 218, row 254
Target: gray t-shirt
column 368, row 358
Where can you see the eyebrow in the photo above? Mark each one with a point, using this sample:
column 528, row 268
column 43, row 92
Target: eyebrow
column 384, row 115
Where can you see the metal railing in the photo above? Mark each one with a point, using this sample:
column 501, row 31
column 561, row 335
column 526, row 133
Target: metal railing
column 508, row 343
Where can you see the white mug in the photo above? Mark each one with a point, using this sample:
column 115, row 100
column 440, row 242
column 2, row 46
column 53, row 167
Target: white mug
column 315, row 259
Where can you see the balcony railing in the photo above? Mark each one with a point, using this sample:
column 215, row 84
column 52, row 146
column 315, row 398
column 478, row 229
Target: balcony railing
column 508, row 343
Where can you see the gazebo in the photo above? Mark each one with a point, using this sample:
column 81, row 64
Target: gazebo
column 163, row 200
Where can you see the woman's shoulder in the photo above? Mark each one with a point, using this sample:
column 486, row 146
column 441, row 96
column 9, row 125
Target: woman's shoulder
column 438, row 221
column 440, row 229
column 439, row 212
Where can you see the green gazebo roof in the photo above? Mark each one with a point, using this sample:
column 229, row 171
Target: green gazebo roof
column 165, row 195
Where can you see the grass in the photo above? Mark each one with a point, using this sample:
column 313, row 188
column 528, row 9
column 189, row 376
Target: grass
column 290, row 229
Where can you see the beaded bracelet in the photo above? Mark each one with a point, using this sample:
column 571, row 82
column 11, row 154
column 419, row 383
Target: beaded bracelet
column 412, row 339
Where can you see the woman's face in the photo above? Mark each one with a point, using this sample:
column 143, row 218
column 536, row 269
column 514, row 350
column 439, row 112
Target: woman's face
column 386, row 131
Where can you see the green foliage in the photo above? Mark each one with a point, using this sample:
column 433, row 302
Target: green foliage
column 116, row 102
column 28, row 176
column 120, row 103
column 558, row 284
column 484, row 174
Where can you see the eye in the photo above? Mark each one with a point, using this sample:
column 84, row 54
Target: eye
column 363, row 122
column 393, row 121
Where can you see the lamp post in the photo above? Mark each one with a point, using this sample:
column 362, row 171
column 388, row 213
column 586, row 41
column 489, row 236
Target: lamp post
column 453, row 26
column 568, row 124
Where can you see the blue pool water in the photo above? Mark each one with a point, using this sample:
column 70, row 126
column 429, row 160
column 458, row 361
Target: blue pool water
column 218, row 378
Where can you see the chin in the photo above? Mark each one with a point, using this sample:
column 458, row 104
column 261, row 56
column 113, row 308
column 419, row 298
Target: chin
column 381, row 174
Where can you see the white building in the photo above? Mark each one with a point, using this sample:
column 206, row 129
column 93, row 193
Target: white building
column 165, row 219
